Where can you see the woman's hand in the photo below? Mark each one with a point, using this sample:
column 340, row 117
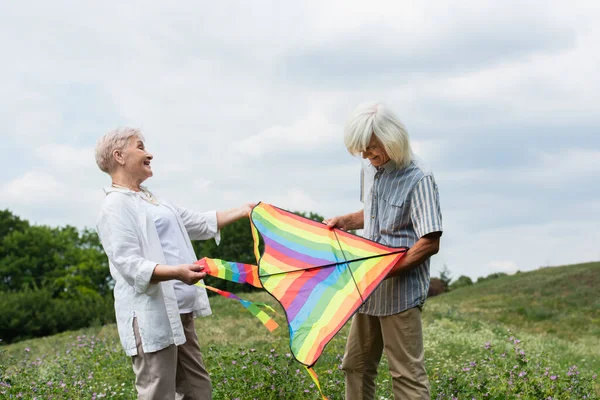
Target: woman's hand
column 190, row 273
column 246, row 209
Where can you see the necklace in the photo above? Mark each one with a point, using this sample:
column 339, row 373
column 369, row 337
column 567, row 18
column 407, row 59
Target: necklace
column 144, row 193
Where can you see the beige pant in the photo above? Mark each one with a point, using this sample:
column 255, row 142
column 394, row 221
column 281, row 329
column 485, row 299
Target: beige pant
column 176, row 369
column 401, row 337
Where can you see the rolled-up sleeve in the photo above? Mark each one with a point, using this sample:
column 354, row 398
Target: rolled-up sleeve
column 425, row 210
column 200, row 226
column 123, row 248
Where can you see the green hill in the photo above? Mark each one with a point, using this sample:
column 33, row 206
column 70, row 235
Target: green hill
column 534, row 333
column 560, row 301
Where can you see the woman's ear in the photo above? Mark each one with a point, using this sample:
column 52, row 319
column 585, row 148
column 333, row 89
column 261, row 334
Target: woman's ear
column 118, row 156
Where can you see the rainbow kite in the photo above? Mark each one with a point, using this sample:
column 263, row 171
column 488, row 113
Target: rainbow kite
column 320, row 276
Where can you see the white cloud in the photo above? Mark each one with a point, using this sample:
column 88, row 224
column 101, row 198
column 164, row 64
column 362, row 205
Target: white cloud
column 506, row 266
column 312, row 132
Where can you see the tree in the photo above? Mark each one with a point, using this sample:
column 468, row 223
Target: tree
column 58, row 259
column 10, row 223
column 445, row 275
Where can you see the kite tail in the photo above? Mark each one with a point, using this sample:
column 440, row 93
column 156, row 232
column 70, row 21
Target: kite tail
column 239, row 273
column 315, row 379
column 231, row 271
column 254, row 308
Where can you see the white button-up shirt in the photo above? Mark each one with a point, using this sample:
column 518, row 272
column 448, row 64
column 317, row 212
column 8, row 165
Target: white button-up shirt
column 130, row 239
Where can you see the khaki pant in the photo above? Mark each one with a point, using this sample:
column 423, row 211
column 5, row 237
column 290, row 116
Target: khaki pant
column 176, row 369
column 401, row 337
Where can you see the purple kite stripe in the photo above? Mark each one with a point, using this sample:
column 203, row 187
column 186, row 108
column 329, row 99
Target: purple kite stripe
column 294, row 254
column 309, row 285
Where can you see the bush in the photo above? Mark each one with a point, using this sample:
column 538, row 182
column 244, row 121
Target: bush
column 436, row 287
column 495, row 275
column 34, row 313
column 461, row 282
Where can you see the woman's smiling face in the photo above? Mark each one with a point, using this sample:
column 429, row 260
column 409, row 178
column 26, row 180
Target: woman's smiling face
column 137, row 159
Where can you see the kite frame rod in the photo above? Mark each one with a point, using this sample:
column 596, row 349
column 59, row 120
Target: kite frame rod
column 403, row 250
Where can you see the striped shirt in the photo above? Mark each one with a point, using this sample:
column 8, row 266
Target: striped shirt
column 401, row 205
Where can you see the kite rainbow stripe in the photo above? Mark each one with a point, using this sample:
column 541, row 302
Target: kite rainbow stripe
column 231, row 271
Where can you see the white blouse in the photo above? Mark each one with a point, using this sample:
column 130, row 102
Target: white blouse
column 130, row 239
column 176, row 252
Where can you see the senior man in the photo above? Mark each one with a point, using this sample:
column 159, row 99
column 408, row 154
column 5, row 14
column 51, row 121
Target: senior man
column 401, row 208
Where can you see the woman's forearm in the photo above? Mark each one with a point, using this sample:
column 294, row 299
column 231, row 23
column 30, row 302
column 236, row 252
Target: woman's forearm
column 186, row 273
column 228, row 216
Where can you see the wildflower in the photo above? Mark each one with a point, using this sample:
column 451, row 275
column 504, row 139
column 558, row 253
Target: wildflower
column 27, row 349
column 522, row 374
column 234, row 362
column 553, row 377
column 466, row 369
column 488, row 345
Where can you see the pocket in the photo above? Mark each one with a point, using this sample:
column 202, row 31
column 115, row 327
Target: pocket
column 393, row 214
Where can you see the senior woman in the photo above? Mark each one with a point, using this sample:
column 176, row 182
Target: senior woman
column 147, row 241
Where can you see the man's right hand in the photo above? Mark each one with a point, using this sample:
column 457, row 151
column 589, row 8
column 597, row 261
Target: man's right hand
column 335, row 222
column 190, row 273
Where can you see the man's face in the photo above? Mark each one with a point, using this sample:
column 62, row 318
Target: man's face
column 375, row 152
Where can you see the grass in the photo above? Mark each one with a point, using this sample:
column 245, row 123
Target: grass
column 552, row 315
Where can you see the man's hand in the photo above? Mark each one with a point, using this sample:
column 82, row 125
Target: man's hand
column 346, row 222
column 190, row 273
column 335, row 222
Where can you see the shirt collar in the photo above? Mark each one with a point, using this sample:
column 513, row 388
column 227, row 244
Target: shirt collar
column 111, row 189
column 387, row 167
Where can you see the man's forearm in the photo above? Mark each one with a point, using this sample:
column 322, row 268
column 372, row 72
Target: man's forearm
column 354, row 220
column 425, row 247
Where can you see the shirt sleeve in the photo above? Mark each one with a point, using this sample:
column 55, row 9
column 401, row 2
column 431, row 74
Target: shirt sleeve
column 425, row 211
column 200, row 226
column 122, row 246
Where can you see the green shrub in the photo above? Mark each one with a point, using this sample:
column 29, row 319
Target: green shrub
column 35, row 313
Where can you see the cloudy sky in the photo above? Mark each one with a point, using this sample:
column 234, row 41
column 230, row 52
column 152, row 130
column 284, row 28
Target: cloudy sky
column 246, row 101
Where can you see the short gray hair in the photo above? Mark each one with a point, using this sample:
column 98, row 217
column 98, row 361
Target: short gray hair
column 115, row 139
column 376, row 118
